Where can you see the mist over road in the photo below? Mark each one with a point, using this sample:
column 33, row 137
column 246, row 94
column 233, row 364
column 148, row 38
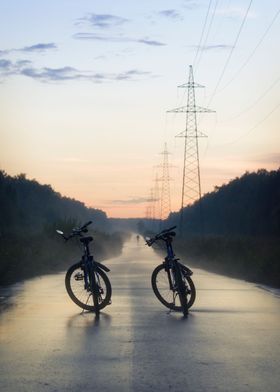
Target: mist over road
column 229, row 342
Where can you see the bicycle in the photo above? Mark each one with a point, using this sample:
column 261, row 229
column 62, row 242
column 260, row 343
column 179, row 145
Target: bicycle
column 86, row 281
column 171, row 280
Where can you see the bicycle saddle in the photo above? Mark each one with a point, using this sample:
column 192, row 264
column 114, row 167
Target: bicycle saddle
column 86, row 240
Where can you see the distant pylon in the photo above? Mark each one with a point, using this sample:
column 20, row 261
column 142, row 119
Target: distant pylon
column 150, row 208
column 191, row 184
column 156, row 194
column 165, row 202
column 148, row 214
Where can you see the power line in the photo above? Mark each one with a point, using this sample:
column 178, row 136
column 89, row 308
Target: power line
column 252, row 128
column 202, row 33
column 252, row 53
column 208, row 31
column 256, row 101
column 231, row 52
column 199, row 46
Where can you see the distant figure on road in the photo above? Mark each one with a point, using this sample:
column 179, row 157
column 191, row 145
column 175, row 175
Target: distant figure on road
column 138, row 238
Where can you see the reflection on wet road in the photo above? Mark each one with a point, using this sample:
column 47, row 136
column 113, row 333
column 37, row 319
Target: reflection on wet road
column 229, row 342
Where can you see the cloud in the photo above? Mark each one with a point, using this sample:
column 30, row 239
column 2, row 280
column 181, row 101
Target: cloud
column 23, row 63
column 67, row 73
column 5, row 64
column 271, row 158
column 101, row 57
column 38, row 48
column 171, row 14
column 138, row 200
column 128, row 75
column 6, row 69
column 3, row 52
column 212, row 47
column 102, row 21
column 150, row 42
column 97, row 37
column 52, row 74
column 191, row 4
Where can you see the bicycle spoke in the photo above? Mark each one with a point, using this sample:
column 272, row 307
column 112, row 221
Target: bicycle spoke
column 80, row 291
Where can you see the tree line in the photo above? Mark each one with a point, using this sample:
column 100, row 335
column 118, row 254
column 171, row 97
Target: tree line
column 235, row 229
column 246, row 206
column 29, row 214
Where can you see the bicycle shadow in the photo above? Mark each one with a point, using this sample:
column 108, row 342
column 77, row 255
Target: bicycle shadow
column 89, row 320
column 226, row 310
column 172, row 317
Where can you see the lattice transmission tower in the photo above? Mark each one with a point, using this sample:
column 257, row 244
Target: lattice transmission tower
column 150, row 207
column 191, row 184
column 156, row 199
column 165, row 201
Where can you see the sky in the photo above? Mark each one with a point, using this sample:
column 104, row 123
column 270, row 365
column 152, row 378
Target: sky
column 85, row 87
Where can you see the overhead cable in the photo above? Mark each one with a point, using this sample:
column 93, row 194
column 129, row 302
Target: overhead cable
column 231, row 52
column 202, row 33
column 252, row 53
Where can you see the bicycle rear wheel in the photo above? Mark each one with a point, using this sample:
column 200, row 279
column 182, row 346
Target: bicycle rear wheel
column 80, row 291
column 165, row 288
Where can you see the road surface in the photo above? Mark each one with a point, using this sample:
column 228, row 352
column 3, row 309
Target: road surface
column 229, row 342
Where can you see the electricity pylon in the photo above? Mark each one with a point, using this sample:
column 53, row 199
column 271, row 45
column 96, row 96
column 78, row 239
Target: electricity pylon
column 165, row 202
column 153, row 209
column 191, row 184
column 148, row 214
column 156, row 193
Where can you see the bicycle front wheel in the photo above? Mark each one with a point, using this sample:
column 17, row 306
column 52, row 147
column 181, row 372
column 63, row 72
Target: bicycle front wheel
column 181, row 289
column 95, row 291
column 165, row 288
column 81, row 291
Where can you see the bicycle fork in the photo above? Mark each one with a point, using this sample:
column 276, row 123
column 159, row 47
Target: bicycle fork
column 171, row 280
column 176, row 274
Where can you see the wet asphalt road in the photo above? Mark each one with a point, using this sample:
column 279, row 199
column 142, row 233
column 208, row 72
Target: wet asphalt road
column 229, row 342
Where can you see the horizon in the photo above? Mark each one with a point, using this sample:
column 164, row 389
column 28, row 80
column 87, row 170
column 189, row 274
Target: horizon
column 136, row 217
column 84, row 103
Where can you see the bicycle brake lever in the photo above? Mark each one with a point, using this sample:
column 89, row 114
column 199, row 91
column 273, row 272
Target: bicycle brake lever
column 149, row 242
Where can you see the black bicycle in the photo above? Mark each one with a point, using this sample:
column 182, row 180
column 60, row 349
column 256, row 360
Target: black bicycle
column 171, row 280
column 86, row 282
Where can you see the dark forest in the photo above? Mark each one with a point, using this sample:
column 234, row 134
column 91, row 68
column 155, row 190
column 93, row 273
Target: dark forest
column 29, row 214
column 236, row 229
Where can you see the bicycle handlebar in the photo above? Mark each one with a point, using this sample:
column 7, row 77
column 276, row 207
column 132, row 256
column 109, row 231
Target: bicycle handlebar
column 76, row 231
column 86, row 224
column 167, row 230
column 160, row 236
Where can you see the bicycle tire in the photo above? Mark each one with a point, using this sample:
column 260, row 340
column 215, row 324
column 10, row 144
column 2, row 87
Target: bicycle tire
column 181, row 289
column 94, row 290
column 75, row 287
column 165, row 295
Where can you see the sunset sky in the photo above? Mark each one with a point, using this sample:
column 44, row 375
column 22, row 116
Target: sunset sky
column 85, row 86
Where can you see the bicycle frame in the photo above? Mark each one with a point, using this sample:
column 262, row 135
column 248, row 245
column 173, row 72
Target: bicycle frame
column 89, row 263
column 170, row 263
column 177, row 281
column 170, row 253
column 93, row 280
